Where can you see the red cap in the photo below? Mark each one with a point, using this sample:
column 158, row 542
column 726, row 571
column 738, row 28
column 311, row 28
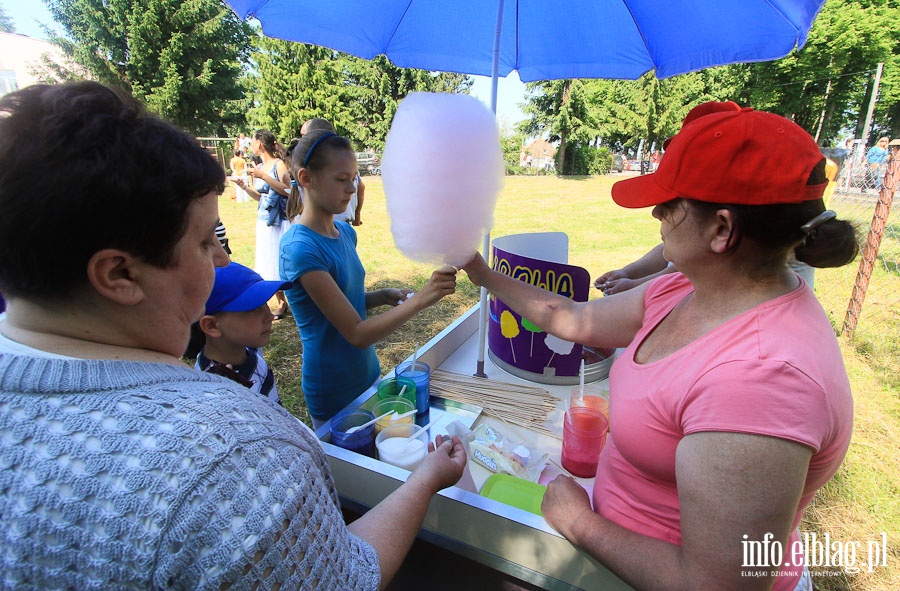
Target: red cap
column 726, row 154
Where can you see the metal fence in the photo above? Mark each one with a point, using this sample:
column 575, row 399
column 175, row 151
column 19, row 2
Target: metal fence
column 863, row 298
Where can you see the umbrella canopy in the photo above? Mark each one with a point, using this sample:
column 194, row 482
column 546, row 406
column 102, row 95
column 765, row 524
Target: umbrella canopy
column 545, row 39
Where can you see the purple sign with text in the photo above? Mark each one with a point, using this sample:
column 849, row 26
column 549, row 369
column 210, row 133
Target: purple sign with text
column 516, row 340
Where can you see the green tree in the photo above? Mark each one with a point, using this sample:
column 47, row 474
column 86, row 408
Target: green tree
column 374, row 89
column 512, row 143
column 6, row 23
column 825, row 86
column 561, row 111
column 585, row 114
column 293, row 82
column 183, row 59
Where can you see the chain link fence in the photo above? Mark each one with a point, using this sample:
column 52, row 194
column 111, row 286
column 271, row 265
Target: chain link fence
column 863, row 298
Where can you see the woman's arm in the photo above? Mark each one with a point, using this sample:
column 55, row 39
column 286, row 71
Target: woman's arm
column 610, row 322
column 329, row 298
column 392, row 525
column 389, row 296
column 279, row 184
column 249, row 189
column 284, row 179
column 732, row 488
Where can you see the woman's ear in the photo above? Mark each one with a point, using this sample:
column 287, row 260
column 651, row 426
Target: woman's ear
column 723, row 231
column 111, row 272
column 209, row 324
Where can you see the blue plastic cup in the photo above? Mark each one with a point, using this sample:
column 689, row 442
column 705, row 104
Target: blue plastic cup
column 420, row 374
column 361, row 441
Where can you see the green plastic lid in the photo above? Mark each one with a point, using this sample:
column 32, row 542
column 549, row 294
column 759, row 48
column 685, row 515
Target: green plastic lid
column 517, row 492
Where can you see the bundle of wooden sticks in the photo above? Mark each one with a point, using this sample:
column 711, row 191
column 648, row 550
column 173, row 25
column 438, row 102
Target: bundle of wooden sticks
column 525, row 406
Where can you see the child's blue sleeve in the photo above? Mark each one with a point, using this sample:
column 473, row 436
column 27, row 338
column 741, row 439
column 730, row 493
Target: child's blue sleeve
column 298, row 257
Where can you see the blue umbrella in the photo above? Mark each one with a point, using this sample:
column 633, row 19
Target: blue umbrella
column 543, row 39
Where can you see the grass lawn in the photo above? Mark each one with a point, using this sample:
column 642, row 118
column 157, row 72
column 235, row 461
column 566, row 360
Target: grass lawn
column 860, row 503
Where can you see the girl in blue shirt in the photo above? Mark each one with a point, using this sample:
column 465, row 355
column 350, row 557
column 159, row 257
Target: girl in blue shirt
column 328, row 297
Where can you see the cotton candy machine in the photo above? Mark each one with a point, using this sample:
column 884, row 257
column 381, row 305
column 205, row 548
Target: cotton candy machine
column 517, row 345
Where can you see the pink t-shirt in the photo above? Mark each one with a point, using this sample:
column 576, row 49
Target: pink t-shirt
column 774, row 370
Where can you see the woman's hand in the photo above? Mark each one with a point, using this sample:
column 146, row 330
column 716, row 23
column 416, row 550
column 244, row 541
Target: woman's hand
column 239, row 182
column 476, row 269
column 615, row 282
column 255, row 173
column 444, row 464
column 613, row 275
column 565, row 505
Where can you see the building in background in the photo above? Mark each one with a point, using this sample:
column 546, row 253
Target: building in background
column 21, row 57
column 539, row 154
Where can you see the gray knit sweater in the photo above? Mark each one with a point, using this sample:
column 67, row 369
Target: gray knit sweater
column 127, row 475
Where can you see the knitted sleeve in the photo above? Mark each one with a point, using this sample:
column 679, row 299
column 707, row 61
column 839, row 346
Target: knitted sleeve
column 265, row 517
column 123, row 475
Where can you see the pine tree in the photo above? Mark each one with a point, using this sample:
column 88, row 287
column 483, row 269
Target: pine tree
column 6, row 23
column 183, row 59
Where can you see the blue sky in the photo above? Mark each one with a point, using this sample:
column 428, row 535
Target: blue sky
column 25, row 13
column 510, row 90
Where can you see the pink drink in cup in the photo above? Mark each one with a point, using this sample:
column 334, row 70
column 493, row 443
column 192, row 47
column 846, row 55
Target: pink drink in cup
column 584, row 435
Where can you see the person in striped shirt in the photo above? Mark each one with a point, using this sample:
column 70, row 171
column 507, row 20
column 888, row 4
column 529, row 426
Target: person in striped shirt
column 237, row 323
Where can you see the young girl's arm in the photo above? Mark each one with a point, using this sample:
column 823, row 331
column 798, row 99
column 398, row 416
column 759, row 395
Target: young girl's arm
column 389, row 296
column 361, row 333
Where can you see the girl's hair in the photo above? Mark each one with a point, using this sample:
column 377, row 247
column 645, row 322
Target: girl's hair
column 294, row 202
column 236, row 152
column 301, row 157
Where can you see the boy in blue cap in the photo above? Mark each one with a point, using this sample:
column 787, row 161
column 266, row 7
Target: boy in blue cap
column 237, row 324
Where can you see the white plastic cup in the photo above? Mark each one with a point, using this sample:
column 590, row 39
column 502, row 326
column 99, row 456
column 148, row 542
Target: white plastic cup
column 404, row 446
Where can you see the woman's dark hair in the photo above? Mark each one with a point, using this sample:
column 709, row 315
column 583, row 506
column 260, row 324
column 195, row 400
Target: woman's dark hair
column 85, row 167
column 269, row 143
column 314, row 162
column 776, row 230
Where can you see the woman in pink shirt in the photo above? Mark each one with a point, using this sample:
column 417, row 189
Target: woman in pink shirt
column 730, row 406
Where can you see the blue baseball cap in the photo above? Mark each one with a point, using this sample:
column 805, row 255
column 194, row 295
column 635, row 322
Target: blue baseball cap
column 239, row 289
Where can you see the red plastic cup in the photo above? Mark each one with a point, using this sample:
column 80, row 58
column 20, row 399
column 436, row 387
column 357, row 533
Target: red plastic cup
column 584, row 435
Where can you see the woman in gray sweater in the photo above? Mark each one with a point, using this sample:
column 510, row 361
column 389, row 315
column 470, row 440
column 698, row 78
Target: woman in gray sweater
column 120, row 467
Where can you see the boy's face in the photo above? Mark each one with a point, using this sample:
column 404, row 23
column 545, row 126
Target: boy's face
column 250, row 329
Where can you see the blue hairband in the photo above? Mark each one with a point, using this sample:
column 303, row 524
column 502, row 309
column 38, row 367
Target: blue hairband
column 313, row 147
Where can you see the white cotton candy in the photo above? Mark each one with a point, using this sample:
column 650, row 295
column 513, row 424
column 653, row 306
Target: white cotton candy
column 442, row 170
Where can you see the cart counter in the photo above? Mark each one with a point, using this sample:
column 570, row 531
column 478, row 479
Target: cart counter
column 460, row 520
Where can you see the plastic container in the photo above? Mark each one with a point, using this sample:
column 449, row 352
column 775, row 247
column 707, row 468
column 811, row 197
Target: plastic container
column 420, row 374
column 396, row 404
column 590, row 398
column 404, row 446
column 517, row 492
column 584, row 435
column 393, row 386
column 361, row 441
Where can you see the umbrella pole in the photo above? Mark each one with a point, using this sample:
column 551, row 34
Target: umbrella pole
column 486, row 246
